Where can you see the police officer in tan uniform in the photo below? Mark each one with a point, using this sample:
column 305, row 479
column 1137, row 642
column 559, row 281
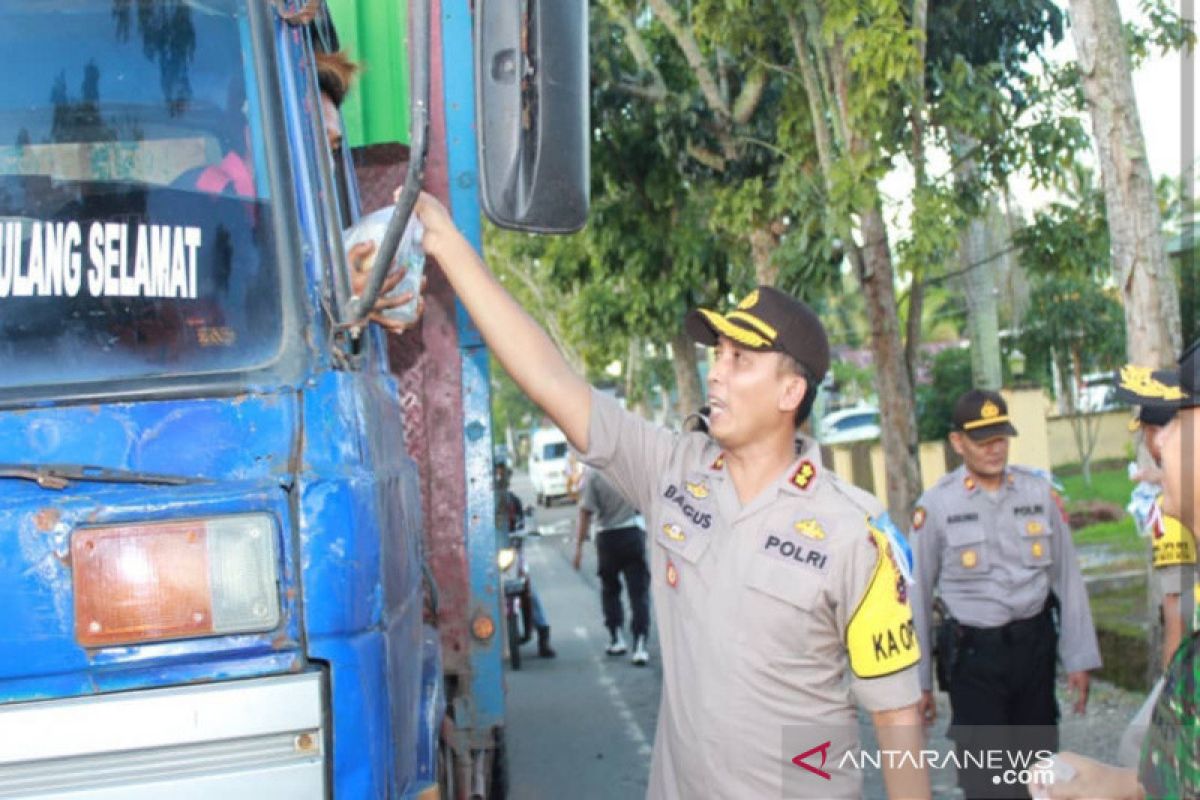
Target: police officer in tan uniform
column 1172, row 547
column 992, row 540
column 779, row 598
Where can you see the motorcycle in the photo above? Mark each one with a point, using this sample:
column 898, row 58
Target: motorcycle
column 515, row 583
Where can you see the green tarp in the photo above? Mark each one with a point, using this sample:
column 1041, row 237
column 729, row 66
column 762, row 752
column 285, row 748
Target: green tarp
column 375, row 34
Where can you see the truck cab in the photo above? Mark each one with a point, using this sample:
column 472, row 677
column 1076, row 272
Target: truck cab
column 240, row 558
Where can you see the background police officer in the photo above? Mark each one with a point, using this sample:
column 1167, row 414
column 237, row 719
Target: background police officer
column 992, row 540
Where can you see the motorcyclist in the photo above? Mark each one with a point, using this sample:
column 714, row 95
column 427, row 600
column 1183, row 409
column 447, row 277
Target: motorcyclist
column 510, row 516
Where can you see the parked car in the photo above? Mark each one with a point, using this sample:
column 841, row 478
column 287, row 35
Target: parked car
column 855, row 424
column 548, row 465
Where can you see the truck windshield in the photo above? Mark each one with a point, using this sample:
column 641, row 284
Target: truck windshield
column 136, row 235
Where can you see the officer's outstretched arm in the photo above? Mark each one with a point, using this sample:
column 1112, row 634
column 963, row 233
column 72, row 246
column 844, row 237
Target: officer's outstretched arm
column 900, row 730
column 520, row 345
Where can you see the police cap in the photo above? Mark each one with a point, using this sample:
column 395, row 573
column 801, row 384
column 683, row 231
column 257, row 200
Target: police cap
column 767, row 319
column 1166, row 388
column 981, row 415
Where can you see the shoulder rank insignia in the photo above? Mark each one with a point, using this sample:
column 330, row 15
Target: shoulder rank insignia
column 810, row 528
column 672, row 574
column 804, row 475
column 719, row 464
column 696, row 490
column 969, row 483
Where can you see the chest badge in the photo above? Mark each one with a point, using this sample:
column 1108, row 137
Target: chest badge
column 810, row 528
column 969, row 559
column 1037, row 549
column 696, row 490
column 1034, row 528
column 674, row 532
column 672, row 574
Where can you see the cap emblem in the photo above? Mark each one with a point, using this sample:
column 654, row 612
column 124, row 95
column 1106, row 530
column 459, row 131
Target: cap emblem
column 1141, row 381
column 989, row 410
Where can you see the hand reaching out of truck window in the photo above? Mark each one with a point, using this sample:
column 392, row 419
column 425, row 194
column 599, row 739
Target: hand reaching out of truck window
column 361, row 256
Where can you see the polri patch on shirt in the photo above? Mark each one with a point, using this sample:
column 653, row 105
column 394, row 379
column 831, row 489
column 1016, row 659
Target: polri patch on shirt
column 955, row 519
column 791, row 549
column 1028, row 511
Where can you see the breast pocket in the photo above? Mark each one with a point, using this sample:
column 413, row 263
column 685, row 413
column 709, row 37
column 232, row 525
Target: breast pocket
column 778, row 615
column 1035, row 543
column 966, row 551
column 681, row 537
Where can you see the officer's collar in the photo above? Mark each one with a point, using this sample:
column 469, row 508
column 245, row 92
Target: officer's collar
column 970, row 485
column 802, row 476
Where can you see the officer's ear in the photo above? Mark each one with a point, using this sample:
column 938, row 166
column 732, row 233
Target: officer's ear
column 795, row 385
column 956, row 441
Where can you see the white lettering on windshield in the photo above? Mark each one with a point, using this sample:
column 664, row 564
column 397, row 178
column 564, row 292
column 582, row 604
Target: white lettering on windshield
column 154, row 261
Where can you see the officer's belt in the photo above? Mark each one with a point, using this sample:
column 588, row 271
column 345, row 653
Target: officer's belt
column 1010, row 633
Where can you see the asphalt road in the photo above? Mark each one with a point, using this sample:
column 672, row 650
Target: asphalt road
column 580, row 725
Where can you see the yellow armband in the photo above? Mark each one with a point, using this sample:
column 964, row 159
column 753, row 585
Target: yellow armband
column 880, row 637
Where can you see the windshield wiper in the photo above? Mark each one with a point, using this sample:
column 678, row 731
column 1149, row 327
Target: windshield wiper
column 59, row 476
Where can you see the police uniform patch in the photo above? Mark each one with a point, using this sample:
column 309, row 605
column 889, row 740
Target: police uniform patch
column 1172, row 545
column 918, row 521
column 1034, row 528
column 803, row 477
column 880, row 638
column 1062, row 509
column 696, row 490
column 791, row 550
column 672, row 574
column 969, row 559
column 810, row 528
column 674, row 532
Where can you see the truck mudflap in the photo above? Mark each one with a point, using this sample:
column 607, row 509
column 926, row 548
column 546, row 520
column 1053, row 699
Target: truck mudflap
column 255, row 739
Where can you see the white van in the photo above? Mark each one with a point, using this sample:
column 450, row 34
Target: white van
column 548, row 464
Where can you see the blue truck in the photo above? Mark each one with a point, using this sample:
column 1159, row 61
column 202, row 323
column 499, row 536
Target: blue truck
column 247, row 545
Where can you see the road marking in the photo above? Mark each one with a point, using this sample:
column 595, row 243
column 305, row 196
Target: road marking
column 605, row 679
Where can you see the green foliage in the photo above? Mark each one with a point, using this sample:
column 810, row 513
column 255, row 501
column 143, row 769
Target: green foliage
column 1075, row 322
column 950, row 376
column 1068, row 238
column 1111, row 484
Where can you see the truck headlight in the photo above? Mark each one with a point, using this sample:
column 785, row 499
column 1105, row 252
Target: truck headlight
column 505, row 558
column 146, row 582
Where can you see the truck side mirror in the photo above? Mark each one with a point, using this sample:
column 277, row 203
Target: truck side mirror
column 531, row 80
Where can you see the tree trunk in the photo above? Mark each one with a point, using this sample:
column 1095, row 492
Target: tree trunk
column 688, row 390
column 896, row 407
column 762, row 245
column 1152, row 328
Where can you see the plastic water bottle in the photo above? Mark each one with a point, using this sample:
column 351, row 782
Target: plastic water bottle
column 410, row 257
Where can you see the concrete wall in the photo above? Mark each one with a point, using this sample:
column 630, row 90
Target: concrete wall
column 1042, row 441
column 1113, row 438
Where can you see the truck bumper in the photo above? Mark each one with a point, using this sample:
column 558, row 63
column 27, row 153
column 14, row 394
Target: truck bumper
column 254, row 739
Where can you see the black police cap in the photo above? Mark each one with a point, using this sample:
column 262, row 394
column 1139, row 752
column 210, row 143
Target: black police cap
column 1164, row 388
column 982, row 414
column 767, row 319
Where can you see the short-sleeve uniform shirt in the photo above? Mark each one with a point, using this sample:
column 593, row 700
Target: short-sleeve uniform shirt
column 772, row 616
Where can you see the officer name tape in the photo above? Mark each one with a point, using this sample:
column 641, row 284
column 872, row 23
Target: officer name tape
column 680, row 498
column 123, row 260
